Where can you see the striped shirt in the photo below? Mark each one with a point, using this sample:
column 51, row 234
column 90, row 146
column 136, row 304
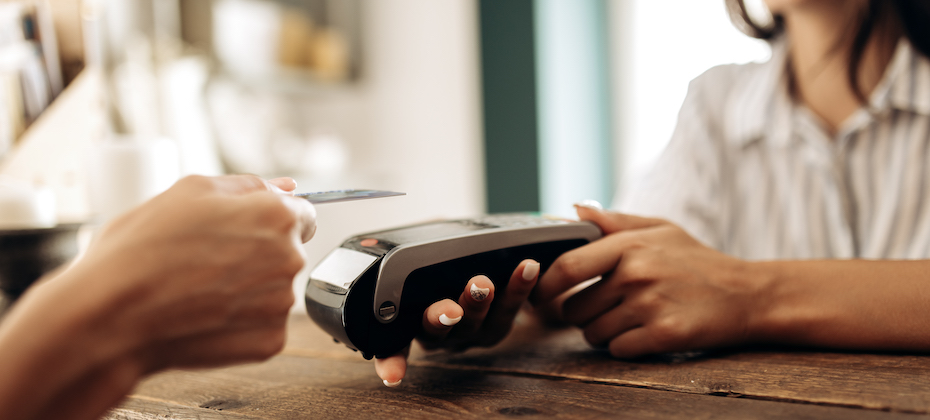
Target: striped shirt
column 750, row 172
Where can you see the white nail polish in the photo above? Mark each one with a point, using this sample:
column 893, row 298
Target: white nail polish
column 444, row 320
column 530, row 270
column 392, row 384
column 591, row 204
column 478, row 293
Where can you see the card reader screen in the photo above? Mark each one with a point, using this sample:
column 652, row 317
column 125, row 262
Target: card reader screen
column 428, row 232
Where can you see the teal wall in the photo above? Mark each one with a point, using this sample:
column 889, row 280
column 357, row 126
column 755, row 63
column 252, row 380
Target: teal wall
column 546, row 104
column 509, row 98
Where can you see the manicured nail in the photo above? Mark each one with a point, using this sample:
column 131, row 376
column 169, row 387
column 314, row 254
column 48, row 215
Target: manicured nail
column 392, row 384
column 478, row 293
column 530, row 270
column 444, row 320
column 591, row 204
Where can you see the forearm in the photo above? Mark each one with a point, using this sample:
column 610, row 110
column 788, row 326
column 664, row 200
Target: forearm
column 854, row 304
column 52, row 338
column 91, row 395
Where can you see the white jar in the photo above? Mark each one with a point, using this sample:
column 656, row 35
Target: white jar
column 125, row 172
column 23, row 206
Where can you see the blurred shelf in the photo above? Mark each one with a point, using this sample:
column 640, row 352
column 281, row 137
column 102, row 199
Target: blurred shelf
column 290, row 83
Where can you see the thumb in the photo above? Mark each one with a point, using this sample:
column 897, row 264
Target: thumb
column 392, row 369
column 611, row 222
column 306, row 216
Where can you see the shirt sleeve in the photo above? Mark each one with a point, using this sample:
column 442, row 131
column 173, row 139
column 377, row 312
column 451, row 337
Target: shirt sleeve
column 685, row 185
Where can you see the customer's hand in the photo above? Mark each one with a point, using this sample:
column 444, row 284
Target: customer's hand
column 210, row 265
column 661, row 290
column 471, row 321
column 198, row 276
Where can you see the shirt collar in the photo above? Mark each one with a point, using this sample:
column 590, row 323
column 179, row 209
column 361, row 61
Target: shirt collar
column 761, row 107
column 906, row 83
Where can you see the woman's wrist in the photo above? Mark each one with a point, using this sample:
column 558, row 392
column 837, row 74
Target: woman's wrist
column 768, row 318
column 790, row 307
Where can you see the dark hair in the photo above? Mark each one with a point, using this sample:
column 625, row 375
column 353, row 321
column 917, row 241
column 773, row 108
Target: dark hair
column 912, row 16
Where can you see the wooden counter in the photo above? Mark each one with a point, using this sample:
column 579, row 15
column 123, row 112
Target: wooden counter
column 538, row 372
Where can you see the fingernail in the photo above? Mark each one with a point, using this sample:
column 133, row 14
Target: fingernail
column 444, row 320
column 392, row 384
column 530, row 270
column 276, row 189
column 591, row 204
column 478, row 293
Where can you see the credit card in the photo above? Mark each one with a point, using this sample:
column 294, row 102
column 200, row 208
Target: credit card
column 336, row 196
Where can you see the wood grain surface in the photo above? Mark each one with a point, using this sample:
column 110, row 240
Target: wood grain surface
column 541, row 372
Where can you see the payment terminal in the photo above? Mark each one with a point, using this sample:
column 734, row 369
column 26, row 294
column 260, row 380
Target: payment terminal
column 370, row 292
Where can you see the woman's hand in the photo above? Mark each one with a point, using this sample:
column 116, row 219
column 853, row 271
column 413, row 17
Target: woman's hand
column 198, row 276
column 471, row 321
column 661, row 290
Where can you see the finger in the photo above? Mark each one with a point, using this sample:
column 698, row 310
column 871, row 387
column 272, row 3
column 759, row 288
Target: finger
column 635, row 343
column 392, row 369
column 581, row 264
column 475, row 301
column 611, row 324
column 238, row 184
column 584, row 306
column 500, row 317
column 611, row 222
column 241, row 184
column 286, row 184
column 306, row 216
column 219, row 348
column 438, row 320
column 203, row 312
column 264, row 307
column 551, row 311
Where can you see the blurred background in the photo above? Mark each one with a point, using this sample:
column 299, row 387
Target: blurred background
column 468, row 106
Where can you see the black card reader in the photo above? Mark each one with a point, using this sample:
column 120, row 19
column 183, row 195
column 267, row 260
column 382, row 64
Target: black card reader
column 370, row 292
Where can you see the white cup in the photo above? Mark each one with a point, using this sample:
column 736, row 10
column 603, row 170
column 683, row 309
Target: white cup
column 23, row 206
column 125, row 172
